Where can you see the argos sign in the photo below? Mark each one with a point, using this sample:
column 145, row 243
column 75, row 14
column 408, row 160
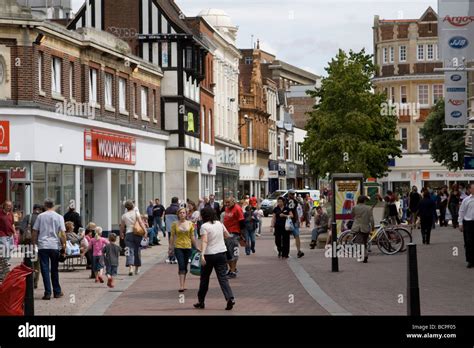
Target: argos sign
column 459, row 21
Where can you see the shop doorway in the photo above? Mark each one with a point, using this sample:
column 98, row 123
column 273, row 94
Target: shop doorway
column 192, row 186
column 3, row 187
column 88, row 199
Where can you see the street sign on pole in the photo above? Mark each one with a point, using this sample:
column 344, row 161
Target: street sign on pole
column 456, row 31
column 455, row 84
column 468, row 163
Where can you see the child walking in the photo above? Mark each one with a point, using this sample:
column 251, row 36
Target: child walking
column 111, row 257
column 97, row 245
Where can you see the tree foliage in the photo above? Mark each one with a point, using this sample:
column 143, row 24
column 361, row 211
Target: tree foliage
column 446, row 147
column 347, row 130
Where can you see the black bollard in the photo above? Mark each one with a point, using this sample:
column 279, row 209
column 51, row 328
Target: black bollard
column 413, row 290
column 335, row 261
column 29, row 293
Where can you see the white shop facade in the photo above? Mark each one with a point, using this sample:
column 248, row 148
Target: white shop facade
column 97, row 164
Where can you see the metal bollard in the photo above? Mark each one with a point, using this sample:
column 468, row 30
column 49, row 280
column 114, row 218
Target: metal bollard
column 413, row 290
column 334, row 259
column 29, row 292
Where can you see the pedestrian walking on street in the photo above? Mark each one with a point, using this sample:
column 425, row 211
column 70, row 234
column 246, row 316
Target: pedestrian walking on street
column 111, row 258
column 49, row 234
column 194, row 216
column 453, row 204
column 363, row 224
column 97, row 246
column 171, row 216
column 250, row 227
column 7, row 232
column 89, row 234
column 27, row 225
column 443, row 205
column 466, row 224
column 414, row 200
column 149, row 212
column 213, row 256
column 426, row 211
column 306, row 211
column 158, row 212
column 282, row 236
column 181, row 243
column 132, row 241
column 292, row 204
column 214, row 205
column 234, row 222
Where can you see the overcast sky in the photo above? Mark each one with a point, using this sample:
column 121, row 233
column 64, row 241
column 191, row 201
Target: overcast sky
column 307, row 33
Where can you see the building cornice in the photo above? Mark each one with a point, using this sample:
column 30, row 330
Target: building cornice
column 408, row 78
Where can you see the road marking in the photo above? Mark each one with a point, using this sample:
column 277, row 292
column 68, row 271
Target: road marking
column 314, row 290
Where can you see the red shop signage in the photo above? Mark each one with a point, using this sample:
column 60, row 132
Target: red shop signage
column 4, row 136
column 109, row 147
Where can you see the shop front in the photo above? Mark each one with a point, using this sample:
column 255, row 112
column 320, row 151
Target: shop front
column 97, row 165
column 291, row 176
column 208, row 174
column 282, row 172
column 227, row 171
column 273, row 183
column 254, row 179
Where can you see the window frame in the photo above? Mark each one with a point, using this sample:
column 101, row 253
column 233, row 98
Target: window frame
column 93, row 86
column 392, row 54
column 402, row 139
column 403, row 94
column 420, row 138
column 144, row 92
column 108, row 76
column 41, row 72
column 428, row 46
column 122, row 98
column 427, row 95
column 400, row 55
column 56, row 69
column 441, row 86
column 385, row 55
column 418, row 52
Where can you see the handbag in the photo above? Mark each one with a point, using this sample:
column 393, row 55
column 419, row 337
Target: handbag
column 196, row 263
column 26, row 236
column 289, row 226
column 137, row 227
column 145, row 242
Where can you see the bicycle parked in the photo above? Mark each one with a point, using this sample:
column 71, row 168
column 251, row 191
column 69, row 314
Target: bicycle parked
column 390, row 240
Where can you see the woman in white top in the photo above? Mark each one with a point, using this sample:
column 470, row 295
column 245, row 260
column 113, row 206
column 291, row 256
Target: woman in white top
column 213, row 256
column 132, row 241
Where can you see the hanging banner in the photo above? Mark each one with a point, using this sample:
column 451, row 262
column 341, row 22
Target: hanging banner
column 456, row 31
column 456, row 100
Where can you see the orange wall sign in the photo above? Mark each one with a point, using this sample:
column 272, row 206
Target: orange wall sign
column 426, row 175
column 4, row 136
column 109, row 147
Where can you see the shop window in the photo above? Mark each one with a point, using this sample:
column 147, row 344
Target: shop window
column 68, row 185
column 142, row 202
column 39, row 183
column 157, row 187
column 54, row 183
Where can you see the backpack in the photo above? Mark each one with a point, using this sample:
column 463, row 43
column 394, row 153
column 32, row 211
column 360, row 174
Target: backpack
column 26, row 236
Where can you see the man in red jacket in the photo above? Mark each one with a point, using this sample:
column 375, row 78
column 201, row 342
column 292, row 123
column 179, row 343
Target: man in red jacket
column 234, row 222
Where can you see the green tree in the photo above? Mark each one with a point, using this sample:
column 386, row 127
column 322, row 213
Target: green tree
column 446, row 147
column 348, row 130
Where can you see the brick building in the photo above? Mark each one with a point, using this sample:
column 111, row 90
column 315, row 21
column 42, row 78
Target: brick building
column 156, row 31
column 406, row 53
column 91, row 113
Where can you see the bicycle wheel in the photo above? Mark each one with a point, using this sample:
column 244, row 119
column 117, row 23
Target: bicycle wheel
column 346, row 237
column 406, row 235
column 390, row 242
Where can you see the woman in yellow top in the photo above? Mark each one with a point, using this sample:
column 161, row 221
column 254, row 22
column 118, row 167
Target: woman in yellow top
column 181, row 241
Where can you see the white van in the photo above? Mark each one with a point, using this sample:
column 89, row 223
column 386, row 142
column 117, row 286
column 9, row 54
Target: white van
column 270, row 202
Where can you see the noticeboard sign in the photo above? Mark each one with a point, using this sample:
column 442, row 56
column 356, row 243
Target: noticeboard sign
column 456, row 100
column 347, row 188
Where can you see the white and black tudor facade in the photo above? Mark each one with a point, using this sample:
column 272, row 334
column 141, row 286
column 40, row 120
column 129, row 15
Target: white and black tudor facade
column 156, row 31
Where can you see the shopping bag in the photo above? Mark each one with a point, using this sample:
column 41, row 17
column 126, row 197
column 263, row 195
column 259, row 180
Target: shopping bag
column 448, row 215
column 289, row 226
column 196, row 263
column 145, row 242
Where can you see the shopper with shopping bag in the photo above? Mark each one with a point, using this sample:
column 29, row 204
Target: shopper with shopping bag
column 213, row 256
